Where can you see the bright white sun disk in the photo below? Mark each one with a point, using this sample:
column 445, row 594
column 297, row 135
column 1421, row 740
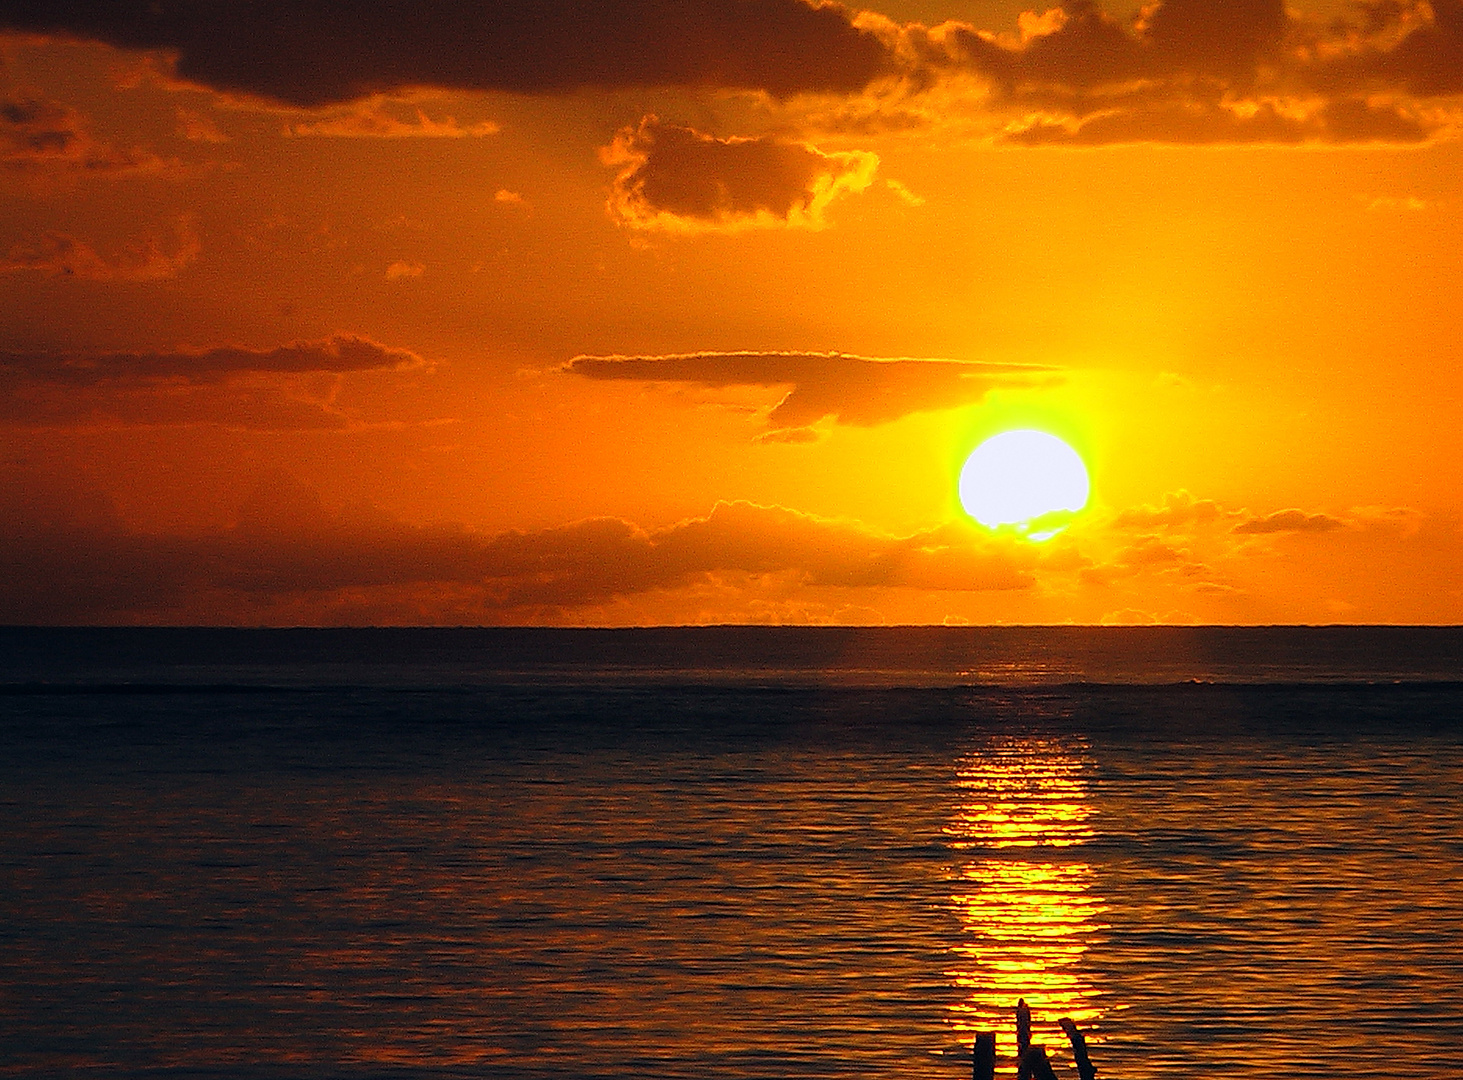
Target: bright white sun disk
column 1018, row 477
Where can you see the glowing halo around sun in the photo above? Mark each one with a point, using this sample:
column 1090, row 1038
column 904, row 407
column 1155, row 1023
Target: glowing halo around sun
column 1024, row 480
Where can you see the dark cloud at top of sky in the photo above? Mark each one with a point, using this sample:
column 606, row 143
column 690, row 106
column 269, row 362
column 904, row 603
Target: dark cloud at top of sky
column 856, row 390
column 1180, row 71
column 335, row 50
column 1079, row 46
column 1210, row 71
column 1206, row 36
column 1425, row 61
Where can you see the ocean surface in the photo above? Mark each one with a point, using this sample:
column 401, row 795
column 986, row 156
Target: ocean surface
column 733, row 853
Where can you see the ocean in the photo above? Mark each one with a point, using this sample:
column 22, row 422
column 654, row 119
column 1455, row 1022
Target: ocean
column 729, row 853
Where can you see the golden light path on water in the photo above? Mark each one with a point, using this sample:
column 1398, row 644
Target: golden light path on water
column 1026, row 900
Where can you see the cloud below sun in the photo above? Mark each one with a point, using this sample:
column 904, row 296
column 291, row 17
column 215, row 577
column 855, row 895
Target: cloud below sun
column 287, row 555
column 67, row 556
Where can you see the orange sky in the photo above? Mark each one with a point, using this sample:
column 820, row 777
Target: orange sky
column 463, row 313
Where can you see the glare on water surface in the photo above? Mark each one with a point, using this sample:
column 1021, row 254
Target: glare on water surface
column 1026, row 900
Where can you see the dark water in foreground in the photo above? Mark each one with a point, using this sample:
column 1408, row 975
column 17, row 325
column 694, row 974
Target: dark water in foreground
column 729, row 853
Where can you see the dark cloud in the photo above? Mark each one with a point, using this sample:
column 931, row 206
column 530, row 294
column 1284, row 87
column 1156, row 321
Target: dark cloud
column 1223, row 37
column 37, row 130
column 1289, row 521
column 344, row 352
column 1180, row 512
column 1427, row 61
column 261, row 389
column 756, row 539
column 1076, row 47
column 856, row 390
column 1350, row 121
column 676, row 177
column 1183, row 515
column 148, row 258
column 1211, row 71
column 599, row 560
column 1355, row 120
column 332, row 51
column 47, row 141
column 1178, row 71
column 65, row 557
column 375, row 118
column 1151, row 551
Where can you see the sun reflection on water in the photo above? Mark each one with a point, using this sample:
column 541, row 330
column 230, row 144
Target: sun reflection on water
column 1025, row 897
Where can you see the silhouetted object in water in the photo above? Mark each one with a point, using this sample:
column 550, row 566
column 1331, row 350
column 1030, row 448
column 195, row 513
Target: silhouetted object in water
column 1023, row 1038
column 985, row 1056
column 1085, row 1069
column 1034, row 1064
column 1031, row 1061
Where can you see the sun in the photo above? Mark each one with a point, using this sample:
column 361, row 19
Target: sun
column 1025, row 480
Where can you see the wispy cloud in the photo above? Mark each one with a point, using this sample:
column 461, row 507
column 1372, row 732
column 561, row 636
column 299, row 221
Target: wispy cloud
column 344, row 352
column 1179, row 511
column 380, row 118
column 199, row 127
column 1206, row 561
column 1289, row 521
column 46, row 142
column 853, row 390
column 147, row 258
column 259, row 389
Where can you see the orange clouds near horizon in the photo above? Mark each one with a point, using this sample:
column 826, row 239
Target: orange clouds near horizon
column 644, row 313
